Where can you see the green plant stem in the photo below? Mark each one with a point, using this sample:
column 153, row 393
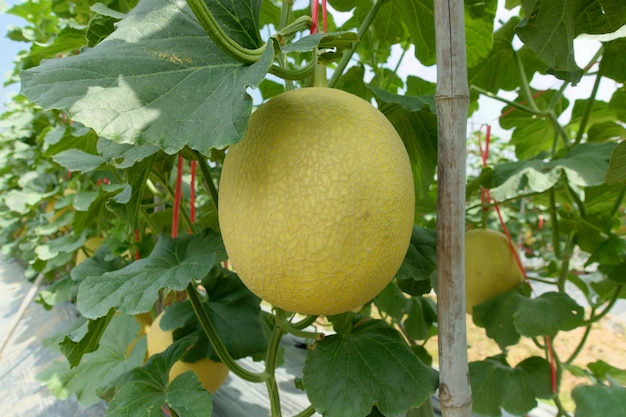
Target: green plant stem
column 581, row 343
column 319, row 75
column 221, row 39
column 307, row 412
column 292, row 74
column 513, row 104
column 151, row 224
column 304, row 323
column 206, row 174
column 216, row 341
column 555, row 224
column 270, row 368
column 525, row 84
column 286, row 326
column 591, row 100
column 608, row 307
column 345, row 59
column 573, row 196
column 566, row 257
column 618, row 201
column 561, row 408
column 395, row 70
column 561, row 133
column 285, row 16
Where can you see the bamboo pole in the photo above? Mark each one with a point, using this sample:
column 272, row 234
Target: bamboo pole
column 452, row 100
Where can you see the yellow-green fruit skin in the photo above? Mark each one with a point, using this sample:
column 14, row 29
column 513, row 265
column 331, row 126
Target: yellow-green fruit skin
column 210, row 373
column 490, row 266
column 317, row 202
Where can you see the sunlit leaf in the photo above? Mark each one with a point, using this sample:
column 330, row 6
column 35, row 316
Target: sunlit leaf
column 155, row 80
column 133, row 289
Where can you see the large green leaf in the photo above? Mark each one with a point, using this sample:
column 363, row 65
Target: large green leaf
column 613, row 64
column 414, row 274
column 599, row 400
column 85, row 339
column 418, row 131
column 155, row 80
column 526, row 382
column 547, row 314
column 133, row 289
column 496, row 316
column 585, row 165
column 616, row 173
column 347, row 374
column 142, row 392
column 98, row 369
column 550, row 27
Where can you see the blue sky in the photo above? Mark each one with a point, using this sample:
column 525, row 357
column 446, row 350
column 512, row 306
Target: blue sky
column 8, row 48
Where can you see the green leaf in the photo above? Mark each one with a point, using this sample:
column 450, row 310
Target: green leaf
column 233, row 310
column 479, row 19
column 127, row 203
column 239, row 19
column 142, row 392
column 392, row 301
column 77, row 160
column 418, row 131
column 496, row 317
column 103, row 261
column 529, row 380
column 133, row 289
column 604, row 371
column 585, row 165
column 500, row 70
column 419, row 264
column 99, row 368
column 155, row 86
column 547, row 314
column 599, row 400
column 63, row 244
column 67, row 40
column 550, row 27
column 613, row 64
column 618, row 103
column 421, row 315
column 419, row 19
column 123, row 155
column 605, row 131
column 340, row 41
column 346, row 375
column 85, row 339
column 616, row 173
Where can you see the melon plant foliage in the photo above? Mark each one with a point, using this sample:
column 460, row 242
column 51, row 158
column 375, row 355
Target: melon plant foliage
column 117, row 97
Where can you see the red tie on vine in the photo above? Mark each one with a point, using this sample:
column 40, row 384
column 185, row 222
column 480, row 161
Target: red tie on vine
column 486, row 200
column 315, row 16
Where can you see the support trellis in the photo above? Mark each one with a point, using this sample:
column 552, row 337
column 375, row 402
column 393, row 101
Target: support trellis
column 452, row 100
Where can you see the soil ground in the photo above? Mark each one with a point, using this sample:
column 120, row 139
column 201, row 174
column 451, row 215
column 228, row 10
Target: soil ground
column 606, row 341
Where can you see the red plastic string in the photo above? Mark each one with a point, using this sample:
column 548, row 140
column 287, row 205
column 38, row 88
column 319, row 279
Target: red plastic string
column 485, row 199
column 324, row 16
column 314, row 16
column 192, row 193
column 177, row 197
column 137, row 252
